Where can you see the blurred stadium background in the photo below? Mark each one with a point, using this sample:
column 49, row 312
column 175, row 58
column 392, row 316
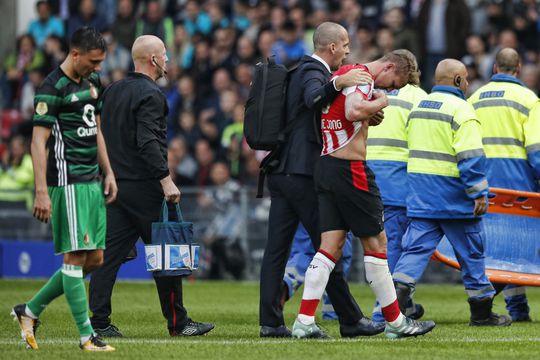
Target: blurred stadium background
column 213, row 46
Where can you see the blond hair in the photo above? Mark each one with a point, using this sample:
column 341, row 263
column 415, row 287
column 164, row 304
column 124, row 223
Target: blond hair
column 406, row 64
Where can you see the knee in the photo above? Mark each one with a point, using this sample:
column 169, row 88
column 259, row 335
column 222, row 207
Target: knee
column 93, row 265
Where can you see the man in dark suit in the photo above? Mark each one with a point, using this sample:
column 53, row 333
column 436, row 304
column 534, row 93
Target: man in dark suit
column 291, row 184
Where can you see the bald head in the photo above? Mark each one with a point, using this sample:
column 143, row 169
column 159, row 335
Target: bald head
column 145, row 47
column 507, row 61
column 448, row 71
column 328, row 33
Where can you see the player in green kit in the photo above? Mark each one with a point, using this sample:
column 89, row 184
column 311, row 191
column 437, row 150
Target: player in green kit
column 67, row 151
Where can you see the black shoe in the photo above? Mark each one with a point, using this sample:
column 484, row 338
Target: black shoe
column 192, row 328
column 364, row 327
column 419, row 312
column 275, row 332
column 481, row 314
column 492, row 320
column 109, row 331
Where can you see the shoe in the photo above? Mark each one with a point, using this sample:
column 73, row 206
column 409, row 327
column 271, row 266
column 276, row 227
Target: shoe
column 521, row 318
column 417, row 314
column 275, row 332
column 364, row 327
column 312, row 331
column 109, row 331
column 192, row 328
column 95, row 344
column 408, row 327
column 27, row 324
column 481, row 314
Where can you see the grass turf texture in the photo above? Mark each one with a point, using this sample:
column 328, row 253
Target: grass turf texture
column 233, row 307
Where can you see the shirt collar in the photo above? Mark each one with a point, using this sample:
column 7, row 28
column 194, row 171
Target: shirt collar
column 506, row 78
column 317, row 57
column 449, row 89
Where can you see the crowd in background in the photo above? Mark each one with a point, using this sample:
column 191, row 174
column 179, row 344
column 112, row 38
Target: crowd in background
column 213, row 46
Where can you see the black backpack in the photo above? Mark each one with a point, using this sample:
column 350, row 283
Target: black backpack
column 265, row 114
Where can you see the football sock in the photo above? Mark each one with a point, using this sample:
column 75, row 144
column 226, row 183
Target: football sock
column 50, row 291
column 76, row 297
column 380, row 280
column 316, row 279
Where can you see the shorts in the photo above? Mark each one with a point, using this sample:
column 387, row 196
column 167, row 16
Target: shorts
column 78, row 217
column 349, row 198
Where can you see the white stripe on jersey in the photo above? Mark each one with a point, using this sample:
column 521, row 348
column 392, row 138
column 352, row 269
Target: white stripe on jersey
column 342, row 138
column 59, row 155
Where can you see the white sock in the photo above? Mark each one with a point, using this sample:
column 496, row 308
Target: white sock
column 85, row 338
column 29, row 313
column 380, row 281
column 317, row 276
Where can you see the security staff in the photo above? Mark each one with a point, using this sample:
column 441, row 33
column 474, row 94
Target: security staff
column 135, row 124
column 448, row 191
column 511, row 140
column 387, row 154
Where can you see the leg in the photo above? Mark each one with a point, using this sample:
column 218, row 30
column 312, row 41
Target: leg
column 282, row 224
column 301, row 254
column 121, row 237
column 516, row 302
column 467, row 240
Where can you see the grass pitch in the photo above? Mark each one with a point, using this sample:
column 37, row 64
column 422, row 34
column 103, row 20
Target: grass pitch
column 233, row 307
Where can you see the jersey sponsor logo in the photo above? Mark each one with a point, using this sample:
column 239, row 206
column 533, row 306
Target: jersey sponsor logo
column 89, row 117
column 74, row 98
column 491, row 94
column 93, row 92
column 429, row 104
column 331, row 124
column 41, row 108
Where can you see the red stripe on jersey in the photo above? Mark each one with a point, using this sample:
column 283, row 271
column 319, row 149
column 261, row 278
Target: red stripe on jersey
column 376, row 255
column 335, row 142
column 359, row 176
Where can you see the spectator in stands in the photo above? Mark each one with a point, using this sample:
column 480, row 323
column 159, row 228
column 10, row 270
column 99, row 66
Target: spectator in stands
column 16, row 174
column 350, row 12
column 35, row 78
column 245, row 51
column 244, row 76
column 443, row 26
column 222, row 235
column 189, row 129
column 231, row 140
column 476, row 52
column 298, row 16
column 55, row 52
column 154, row 23
column 289, row 48
column 25, row 58
column 195, row 19
column 86, row 16
column 201, row 69
column 265, row 42
column 185, row 167
column 384, row 41
column 216, row 15
column 221, row 52
column 182, row 51
column 45, row 24
column 205, row 157
column 366, row 51
column 118, row 58
column 278, row 17
column 404, row 37
column 125, row 25
column 530, row 77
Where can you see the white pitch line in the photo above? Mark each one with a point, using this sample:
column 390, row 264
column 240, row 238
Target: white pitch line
column 180, row 341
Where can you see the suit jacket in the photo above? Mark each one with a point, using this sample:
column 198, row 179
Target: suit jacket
column 308, row 92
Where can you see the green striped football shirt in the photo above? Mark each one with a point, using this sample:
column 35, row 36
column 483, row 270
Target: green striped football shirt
column 70, row 109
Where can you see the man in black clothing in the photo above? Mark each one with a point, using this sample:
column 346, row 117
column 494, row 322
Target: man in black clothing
column 135, row 123
column 291, row 185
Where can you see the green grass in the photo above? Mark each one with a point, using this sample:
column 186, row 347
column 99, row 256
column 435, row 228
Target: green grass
column 233, row 307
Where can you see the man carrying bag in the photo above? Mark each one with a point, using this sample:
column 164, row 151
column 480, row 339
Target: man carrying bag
column 135, row 122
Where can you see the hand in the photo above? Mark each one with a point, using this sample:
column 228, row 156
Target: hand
column 480, row 206
column 376, row 119
column 171, row 192
column 42, row 206
column 353, row 78
column 110, row 189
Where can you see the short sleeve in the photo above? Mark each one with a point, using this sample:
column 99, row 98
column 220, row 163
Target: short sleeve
column 47, row 103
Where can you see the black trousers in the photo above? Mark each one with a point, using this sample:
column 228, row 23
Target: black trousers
column 293, row 200
column 138, row 205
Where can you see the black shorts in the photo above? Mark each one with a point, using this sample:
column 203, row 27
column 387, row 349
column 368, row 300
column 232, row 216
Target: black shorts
column 349, row 198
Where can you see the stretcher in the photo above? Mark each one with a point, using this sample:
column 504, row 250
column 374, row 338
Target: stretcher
column 512, row 238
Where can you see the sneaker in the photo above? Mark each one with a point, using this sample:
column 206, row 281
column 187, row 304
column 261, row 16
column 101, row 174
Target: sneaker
column 408, row 327
column 27, row 324
column 109, row 331
column 275, row 332
column 312, row 331
column 95, row 344
column 192, row 328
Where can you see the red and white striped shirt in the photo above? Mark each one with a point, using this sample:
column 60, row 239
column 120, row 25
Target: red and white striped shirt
column 337, row 131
